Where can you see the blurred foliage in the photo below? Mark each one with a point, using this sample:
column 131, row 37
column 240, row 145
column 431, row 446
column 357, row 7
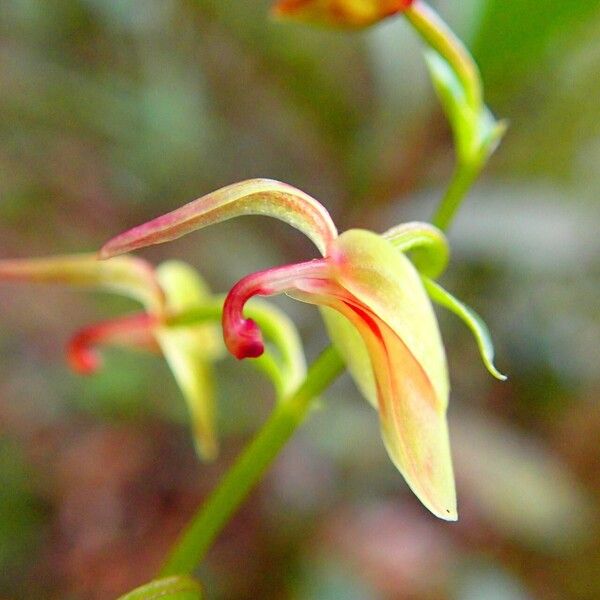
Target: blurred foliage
column 114, row 112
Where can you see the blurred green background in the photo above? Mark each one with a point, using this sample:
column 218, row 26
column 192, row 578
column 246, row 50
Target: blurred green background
column 114, row 112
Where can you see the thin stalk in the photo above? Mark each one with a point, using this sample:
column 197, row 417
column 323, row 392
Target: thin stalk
column 250, row 466
column 440, row 37
column 462, row 179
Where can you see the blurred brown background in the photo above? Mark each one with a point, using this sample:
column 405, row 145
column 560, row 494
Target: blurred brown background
column 114, row 112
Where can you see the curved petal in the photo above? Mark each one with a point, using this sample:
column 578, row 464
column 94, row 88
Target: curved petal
column 243, row 336
column 190, row 350
column 471, row 319
column 133, row 331
column 339, row 13
column 127, row 275
column 253, row 197
column 426, row 243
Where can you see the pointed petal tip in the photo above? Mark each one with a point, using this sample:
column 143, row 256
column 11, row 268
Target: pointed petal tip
column 147, row 234
column 207, row 447
column 450, row 515
column 445, row 510
column 498, row 375
column 488, row 362
column 104, row 253
column 442, row 508
column 114, row 247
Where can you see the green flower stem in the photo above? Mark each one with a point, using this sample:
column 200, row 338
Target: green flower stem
column 250, row 466
column 441, row 38
column 463, row 178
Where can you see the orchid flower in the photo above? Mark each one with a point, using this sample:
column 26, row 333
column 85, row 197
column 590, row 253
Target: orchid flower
column 339, row 13
column 169, row 292
column 376, row 308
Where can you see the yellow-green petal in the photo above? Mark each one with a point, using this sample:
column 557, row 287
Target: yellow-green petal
column 283, row 337
column 283, row 361
column 471, row 319
column 190, row 350
column 414, row 429
column 127, row 275
column 350, row 345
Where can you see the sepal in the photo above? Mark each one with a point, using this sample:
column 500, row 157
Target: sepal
column 252, row 197
column 471, row 319
column 128, row 275
column 190, row 352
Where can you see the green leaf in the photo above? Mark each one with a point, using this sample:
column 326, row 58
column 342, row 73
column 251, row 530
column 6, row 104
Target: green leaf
column 452, row 96
column 471, row 319
column 179, row 587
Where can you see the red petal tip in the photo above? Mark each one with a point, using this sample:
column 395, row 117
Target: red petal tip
column 82, row 360
column 245, row 341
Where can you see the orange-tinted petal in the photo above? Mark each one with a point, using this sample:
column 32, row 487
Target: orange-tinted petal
column 414, row 429
column 339, row 13
column 391, row 343
column 385, row 281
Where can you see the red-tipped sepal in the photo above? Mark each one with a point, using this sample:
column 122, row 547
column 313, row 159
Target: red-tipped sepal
column 132, row 331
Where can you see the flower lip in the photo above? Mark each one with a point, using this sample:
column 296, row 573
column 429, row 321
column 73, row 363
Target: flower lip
column 245, row 341
column 242, row 336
